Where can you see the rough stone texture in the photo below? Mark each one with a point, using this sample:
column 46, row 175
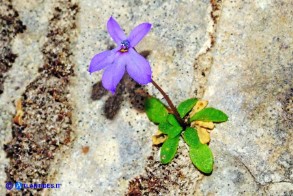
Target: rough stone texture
column 44, row 129
column 251, row 79
column 10, row 27
column 237, row 54
column 120, row 140
column 29, row 58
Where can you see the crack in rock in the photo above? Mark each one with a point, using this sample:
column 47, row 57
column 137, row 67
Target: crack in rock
column 10, row 25
column 204, row 58
column 46, row 129
column 180, row 176
column 176, row 178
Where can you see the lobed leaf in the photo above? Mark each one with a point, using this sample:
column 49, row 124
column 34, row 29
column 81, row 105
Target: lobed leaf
column 186, row 106
column 169, row 149
column 190, row 137
column 155, row 110
column 202, row 157
column 210, row 114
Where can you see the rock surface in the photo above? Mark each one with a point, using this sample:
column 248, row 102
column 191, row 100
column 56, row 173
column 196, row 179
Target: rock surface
column 254, row 84
column 236, row 54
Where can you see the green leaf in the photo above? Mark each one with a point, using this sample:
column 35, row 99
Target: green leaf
column 172, row 120
column 210, row 115
column 169, row 149
column 170, row 130
column 155, row 110
column 202, row 158
column 190, row 137
column 185, row 106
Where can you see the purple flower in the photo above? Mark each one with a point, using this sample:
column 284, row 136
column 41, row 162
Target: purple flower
column 123, row 57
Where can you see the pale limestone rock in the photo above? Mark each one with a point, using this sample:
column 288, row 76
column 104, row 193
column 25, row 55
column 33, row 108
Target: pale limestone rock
column 241, row 61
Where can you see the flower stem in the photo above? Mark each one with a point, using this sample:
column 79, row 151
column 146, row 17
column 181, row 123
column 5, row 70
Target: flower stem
column 173, row 108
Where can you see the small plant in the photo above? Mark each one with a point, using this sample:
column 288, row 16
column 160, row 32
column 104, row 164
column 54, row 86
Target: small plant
column 193, row 116
column 191, row 120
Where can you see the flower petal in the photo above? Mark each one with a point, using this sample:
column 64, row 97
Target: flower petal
column 113, row 74
column 101, row 60
column 138, row 33
column 138, row 67
column 115, row 31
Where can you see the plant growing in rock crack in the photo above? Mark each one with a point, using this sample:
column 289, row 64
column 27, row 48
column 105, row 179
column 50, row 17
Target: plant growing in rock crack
column 191, row 119
column 196, row 120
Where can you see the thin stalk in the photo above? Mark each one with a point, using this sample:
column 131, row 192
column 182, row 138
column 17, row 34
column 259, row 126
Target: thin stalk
column 170, row 103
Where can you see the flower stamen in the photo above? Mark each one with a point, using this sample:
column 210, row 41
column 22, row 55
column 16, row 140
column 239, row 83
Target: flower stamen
column 125, row 45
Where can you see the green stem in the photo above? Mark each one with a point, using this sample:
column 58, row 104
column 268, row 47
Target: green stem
column 173, row 108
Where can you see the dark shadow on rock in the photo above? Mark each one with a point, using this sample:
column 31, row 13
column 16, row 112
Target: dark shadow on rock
column 98, row 91
column 111, row 47
column 127, row 89
column 113, row 103
column 145, row 53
